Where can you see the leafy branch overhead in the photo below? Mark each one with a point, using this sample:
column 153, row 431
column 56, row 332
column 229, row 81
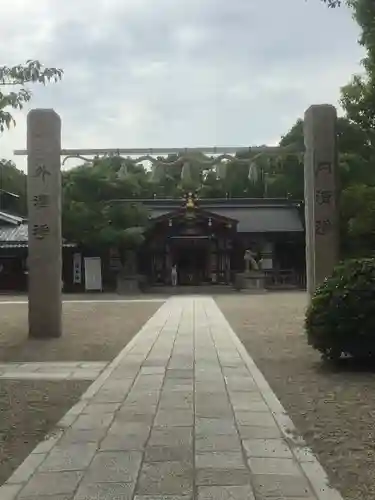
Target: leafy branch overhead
column 13, row 91
column 333, row 3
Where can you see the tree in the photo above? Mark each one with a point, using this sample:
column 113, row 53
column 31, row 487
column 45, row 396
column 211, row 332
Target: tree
column 358, row 97
column 332, row 3
column 20, row 76
column 12, row 188
column 357, row 212
column 91, row 215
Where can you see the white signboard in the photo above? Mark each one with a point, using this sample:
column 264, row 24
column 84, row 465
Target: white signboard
column 77, row 268
column 93, row 274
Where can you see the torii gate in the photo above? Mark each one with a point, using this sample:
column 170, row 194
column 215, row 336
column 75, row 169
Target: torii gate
column 44, row 154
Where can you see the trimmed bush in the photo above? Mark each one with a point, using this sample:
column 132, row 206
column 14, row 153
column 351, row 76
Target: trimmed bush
column 341, row 317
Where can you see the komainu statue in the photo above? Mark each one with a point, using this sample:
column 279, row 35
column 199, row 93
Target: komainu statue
column 250, row 262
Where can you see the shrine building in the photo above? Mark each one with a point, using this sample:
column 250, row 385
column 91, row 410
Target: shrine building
column 205, row 238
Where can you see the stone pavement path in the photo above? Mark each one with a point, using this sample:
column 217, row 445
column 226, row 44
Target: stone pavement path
column 53, row 370
column 182, row 413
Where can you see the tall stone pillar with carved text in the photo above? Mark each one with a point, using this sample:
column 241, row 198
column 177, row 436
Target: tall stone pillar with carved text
column 321, row 209
column 44, row 213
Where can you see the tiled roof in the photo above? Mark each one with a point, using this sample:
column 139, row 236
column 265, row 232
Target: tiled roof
column 14, row 234
column 254, row 220
column 17, row 236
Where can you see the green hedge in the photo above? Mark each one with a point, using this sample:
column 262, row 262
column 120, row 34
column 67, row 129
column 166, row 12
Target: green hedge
column 341, row 317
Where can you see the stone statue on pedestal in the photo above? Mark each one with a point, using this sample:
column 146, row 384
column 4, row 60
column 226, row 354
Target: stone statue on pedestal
column 250, row 262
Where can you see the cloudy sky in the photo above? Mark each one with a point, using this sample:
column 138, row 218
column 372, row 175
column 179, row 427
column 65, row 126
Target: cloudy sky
column 171, row 73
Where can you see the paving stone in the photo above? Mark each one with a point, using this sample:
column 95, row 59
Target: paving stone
column 168, row 478
column 279, row 486
column 132, row 414
column 82, row 436
column 155, row 363
column 178, row 384
column 205, row 389
column 217, row 443
column 9, row 491
column 105, row 491
column 173, row 436
column 110, row 396
column 261, row 419
column 124, row 442
column 179, row 374
column 223, row 411
column 236, row 371
column 257, row 432
column 128, row 411
column 100, row 408
column 208, row 376
column 114, row 467
column 248, row 405
column 210, row 426
column 211, row 400
column 174, row 401
column 139, row 397
column 145, row 409
column 274, row 466
column 225, row 493
column 239, row 380
column 93, row 421
column 231, row 362
column 152, row 370
column 163, row 497
column 154, row 387
column 51, row 483
column 169, row 454
column 27, row 468
column 75, row 456
column 219, row 460
column 120, row 427
column 273, row 448
column 222, row 477
column 175, row 418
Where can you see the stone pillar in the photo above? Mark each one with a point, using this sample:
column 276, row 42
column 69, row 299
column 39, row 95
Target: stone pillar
column 321, row 210
column 44, row 212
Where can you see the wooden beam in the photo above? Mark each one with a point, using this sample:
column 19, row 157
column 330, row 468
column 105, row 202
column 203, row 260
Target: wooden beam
column 163, row 151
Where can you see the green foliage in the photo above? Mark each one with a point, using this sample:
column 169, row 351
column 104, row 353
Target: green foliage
column 90, row 215
column 341, row 317
column 19, row 76
column 357, row 211
column 332, row 3
column 12, row 188
column 358, row 97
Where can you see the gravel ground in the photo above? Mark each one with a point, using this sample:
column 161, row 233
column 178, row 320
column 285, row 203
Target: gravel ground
column 334, row 409
column 28, row 411
column 91, row 331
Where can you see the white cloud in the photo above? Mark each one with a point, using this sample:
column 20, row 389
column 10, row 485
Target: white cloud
column 179, row 73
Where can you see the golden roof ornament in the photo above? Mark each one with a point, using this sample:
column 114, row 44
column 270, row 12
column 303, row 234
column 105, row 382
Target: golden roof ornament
column 190, row 200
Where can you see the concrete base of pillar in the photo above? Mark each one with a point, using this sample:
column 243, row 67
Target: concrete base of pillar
column 251, row 282
column 128, row 285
